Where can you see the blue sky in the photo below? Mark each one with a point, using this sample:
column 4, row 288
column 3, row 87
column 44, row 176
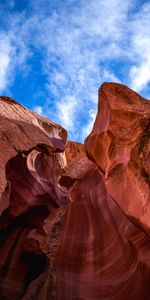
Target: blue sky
column 54, row 54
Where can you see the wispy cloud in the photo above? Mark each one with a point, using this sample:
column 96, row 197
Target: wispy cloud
column 66, row 110
column 87, row 127
column 81, row 44
column 6, row 51
column 76, row 48
column 140, row 50
column 38, row 110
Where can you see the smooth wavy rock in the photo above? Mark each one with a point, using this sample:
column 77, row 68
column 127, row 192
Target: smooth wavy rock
column 74, row 222
column 22, row 130
column 119, row 144
column 102, row 255
column 31, row 159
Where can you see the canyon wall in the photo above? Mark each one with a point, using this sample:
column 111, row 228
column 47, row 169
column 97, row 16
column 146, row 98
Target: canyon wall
column 75, row 219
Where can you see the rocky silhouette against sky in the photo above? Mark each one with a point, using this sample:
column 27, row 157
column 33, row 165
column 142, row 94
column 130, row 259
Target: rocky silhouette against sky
column 55, row 54
column 74, row 218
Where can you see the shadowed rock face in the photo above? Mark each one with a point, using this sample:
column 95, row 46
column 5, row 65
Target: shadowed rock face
column 75, row 224
column 31, row 160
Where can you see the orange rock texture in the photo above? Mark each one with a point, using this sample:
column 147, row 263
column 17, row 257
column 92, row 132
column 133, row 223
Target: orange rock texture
column 75, row 219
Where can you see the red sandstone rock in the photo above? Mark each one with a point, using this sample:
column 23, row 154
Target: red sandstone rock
column 74, row 228
column 74, row 150
column 22, row 130
column 120, row 146
column 30, row 166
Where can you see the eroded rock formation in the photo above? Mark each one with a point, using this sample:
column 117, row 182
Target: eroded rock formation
column 74, row 219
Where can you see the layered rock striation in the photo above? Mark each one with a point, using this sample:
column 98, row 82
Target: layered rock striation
column 74, row 219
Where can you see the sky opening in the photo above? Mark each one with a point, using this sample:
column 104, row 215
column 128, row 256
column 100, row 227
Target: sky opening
column 55, row 54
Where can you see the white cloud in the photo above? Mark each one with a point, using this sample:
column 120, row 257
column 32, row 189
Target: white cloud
column 65, row 110
column 6, row 50
column 76, row 45
column 38, row 110
column 88, row 127
column 14, row 49
column 140, row 76
column 140, row 49
column 82, row 43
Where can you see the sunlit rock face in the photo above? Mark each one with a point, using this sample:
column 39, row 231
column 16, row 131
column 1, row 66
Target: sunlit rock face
column 119, row 144
column 74, row 221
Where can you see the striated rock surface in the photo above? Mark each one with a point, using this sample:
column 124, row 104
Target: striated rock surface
column 31, row 159
column 120, row 146
column 75, row 223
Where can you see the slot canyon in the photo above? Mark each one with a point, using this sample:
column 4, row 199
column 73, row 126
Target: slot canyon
column 74, row 218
